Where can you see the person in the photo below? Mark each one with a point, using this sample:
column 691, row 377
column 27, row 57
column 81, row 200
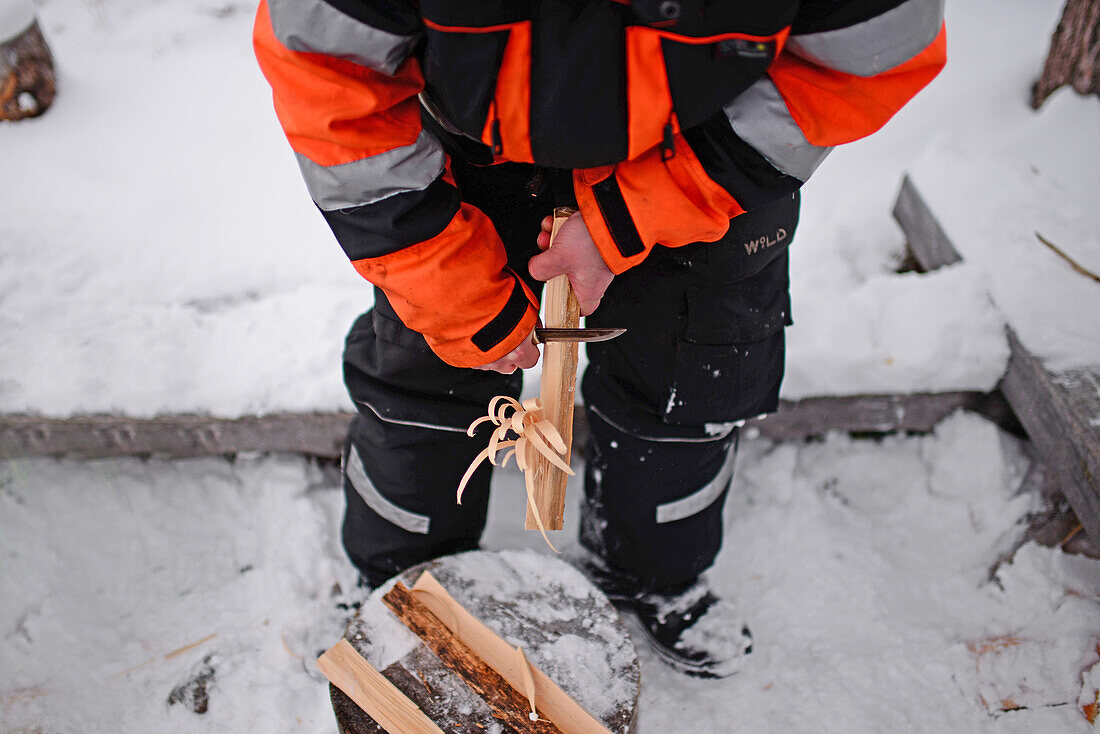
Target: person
column 435, row 138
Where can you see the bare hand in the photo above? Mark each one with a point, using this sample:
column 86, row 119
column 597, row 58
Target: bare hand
column 574, row 254
column 523, row 357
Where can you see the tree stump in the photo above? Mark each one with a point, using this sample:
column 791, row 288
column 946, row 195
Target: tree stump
column 564, row 624
column 27, row 81
column 1074, row 56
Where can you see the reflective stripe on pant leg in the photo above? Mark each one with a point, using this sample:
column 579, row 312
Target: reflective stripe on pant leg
column 409, row 521
column 627, row 480
column 698, row 501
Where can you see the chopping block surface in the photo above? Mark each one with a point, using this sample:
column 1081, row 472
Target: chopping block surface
column 564, row 624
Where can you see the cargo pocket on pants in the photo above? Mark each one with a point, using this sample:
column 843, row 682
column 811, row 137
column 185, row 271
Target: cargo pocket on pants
column 729, row 359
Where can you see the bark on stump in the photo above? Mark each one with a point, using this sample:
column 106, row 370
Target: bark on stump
column 27, row 81
column 566, row 627
column 1074, row 56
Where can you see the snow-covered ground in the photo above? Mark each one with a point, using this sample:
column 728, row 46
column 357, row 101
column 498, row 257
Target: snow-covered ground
column 159, row 254
column 863, row 567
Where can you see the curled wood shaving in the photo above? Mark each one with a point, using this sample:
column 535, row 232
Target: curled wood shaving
column 528, row 682
column 291, row 653
column 535, row 434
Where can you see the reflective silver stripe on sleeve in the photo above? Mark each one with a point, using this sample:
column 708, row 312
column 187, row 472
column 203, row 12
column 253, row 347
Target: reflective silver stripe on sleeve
column 402, row 518
column 371, row 179
column 760, row 117
column 315, row 27
column 701, row 500
column 875, row 45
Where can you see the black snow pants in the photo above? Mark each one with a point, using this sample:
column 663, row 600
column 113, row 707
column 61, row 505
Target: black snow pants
column 703, row 351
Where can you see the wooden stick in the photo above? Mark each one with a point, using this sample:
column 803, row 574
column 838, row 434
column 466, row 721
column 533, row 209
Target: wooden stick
column 382, row 700
column 507, row 704
column 1072, row 263
column 557, row 393
column 550, row 700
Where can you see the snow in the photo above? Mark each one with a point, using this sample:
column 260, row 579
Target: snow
column 15, row 17
column 158, row 245
column 158, row 254
column 861, row 566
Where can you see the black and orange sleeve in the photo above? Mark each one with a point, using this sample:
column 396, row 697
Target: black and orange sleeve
column 345, row 89
column 843, row 71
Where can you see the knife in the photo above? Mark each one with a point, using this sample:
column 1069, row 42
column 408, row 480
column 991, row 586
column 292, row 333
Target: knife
column 541, row 336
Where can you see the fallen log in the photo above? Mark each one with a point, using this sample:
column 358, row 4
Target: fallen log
column 322, row 434
column 171, row 436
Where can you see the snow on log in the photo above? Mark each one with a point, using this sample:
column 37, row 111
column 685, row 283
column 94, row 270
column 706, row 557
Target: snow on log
column 1058, row 410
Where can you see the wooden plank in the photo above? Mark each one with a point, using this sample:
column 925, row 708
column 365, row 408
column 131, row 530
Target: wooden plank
column 322, row 434
column 551, row 701
column 557, row 392
column 919, row 413
column 174, row 436
column 383, row 701
column 927, row 240
column 507, row 703
column 1058, row 411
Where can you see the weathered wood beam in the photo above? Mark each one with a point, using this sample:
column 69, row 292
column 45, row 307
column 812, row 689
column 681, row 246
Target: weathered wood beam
column 175, row 436
column 1056, row 409
column 928, row 243
column 322, row 434
column 918, row 413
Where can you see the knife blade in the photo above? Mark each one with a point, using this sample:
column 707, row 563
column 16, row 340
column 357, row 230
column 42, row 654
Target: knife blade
column 541, row 336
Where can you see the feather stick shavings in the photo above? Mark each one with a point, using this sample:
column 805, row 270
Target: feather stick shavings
column 533, row 433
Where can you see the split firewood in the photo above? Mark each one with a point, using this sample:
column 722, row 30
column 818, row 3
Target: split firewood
column 544, row 695
column 535, row 437
column 27, row 80
column 507, row 703
column 543, row 427
column 557, row 394
column 381, row 700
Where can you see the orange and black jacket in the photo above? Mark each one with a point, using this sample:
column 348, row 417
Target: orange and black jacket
column 675, row 116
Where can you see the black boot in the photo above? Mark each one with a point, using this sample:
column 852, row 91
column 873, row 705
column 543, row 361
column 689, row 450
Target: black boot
column 690, row 628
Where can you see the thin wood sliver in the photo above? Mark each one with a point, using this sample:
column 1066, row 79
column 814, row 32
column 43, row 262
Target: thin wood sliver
column 550, row 700
column 506, row 703
column 372, row 692
column 560, row 309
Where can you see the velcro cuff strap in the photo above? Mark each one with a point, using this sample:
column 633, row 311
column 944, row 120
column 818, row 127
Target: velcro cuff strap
column 609, row 197
column 596, row 219
column 505, row 322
